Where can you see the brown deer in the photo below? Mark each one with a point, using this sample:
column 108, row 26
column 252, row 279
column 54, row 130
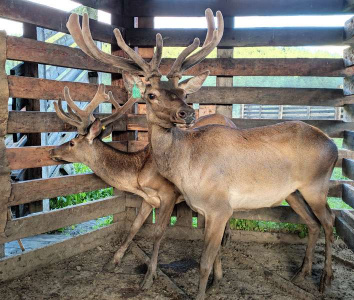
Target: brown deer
column 219, row 169
column 132, row 172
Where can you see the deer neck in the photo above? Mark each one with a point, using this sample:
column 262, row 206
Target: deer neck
column 117, row 168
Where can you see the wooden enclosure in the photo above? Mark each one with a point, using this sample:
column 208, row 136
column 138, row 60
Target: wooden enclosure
column 135, row 19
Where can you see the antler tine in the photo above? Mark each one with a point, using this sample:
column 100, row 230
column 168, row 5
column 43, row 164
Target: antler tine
column 83, row 38
column 209, row 44
column 72, row 114
column 119, row 110
column 176, row 67
column 156, row 59
column 62, row 115
column 99, row 97
column 212, row 39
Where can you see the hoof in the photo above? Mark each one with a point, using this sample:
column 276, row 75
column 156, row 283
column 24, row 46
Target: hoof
column 148, row 280
column 326, row 280
column 118, row 257
column 109, row 266
column 214, row 286
column 300, row 275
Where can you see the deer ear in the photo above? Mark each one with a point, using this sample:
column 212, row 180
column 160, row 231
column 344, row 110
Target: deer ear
column 129, row 82
column 94, row 131
column 192, row 85
column 106, row 131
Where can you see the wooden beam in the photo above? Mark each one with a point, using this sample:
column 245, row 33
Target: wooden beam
column 345, row 231
column 35, row 157
column 51, row 18
column 28, row 50
column 348, row 140
column 45, row 222
column 29, row 122
column 105, row 5
column 187, row 8
column 5, row 185
column 50, row 54
column 32, row 190
column 342, row 153
column 333, row 128
column 241, row 37
column 349, row 32
column 348, row 194
column 348, row 168
column 270, row 96
column 17, row 265
column 37, row 88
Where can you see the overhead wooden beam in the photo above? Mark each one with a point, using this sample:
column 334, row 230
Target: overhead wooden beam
column 31, row 122
column 333, row 128
column 49, row 221
column 50, row 18
column 242, row 37
column 184, row 8
column 57, row 55
column 105, row 5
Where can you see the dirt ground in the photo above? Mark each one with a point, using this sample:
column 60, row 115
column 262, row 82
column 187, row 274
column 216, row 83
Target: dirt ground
column 251, row 271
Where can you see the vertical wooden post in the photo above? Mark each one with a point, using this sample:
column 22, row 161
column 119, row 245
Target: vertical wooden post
column 33, row 139
column 5, row 184
column 126, row 22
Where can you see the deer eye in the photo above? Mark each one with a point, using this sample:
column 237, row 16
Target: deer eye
column 152, row 96
column 71, row 143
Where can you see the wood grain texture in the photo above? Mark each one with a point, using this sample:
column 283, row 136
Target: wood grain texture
column 38, row 189
column 37, row 88
column 187, row 8
column 31, row 122
column 45, row 53
column 241, row 37
column 50, row 18
column 348, row 194
column 334, row 128
column 45, row 222
column 348, row 168
column 345, row 231
column 24, row 263
column 5, row 186
column 348, row 140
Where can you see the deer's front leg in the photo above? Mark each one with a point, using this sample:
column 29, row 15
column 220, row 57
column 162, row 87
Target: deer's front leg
column 167, row 204
column 144, row 212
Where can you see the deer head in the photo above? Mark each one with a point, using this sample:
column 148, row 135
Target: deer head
column 165, row 99
column 88, row 127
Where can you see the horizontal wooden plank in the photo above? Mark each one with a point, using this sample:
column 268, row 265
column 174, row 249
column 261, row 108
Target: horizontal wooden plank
column 106, row 5
column 270, row 96
column 345, row 231
column 47, row 221
column 348, row 140
column 34, row 88
column 32, row 122
column 17, row 265
column 37, row 88
column 241, row 37
column 50, row 18
column 342, row 153
column 38, row 156
column 348, row 194
column 348, row 168
column 333, row 128
column 38, row 189
column 29, row 50
column 187, row 8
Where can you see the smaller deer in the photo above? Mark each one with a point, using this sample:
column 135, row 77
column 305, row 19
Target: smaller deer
column 131, row 172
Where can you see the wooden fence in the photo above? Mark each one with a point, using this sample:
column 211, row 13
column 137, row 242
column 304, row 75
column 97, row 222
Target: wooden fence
column 220, row 98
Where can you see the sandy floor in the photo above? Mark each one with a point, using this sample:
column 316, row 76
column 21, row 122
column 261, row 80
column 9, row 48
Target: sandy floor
column 251, row 271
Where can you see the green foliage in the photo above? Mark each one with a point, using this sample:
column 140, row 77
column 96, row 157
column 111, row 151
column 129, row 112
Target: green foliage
column 74, row 199
column 102, row 222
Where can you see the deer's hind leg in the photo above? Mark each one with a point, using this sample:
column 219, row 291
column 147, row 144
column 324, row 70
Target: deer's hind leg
column 298, row 204
column 144, row 212
column 316, row 198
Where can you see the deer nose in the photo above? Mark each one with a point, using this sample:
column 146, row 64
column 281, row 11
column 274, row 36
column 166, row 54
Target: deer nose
column 187, row 114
